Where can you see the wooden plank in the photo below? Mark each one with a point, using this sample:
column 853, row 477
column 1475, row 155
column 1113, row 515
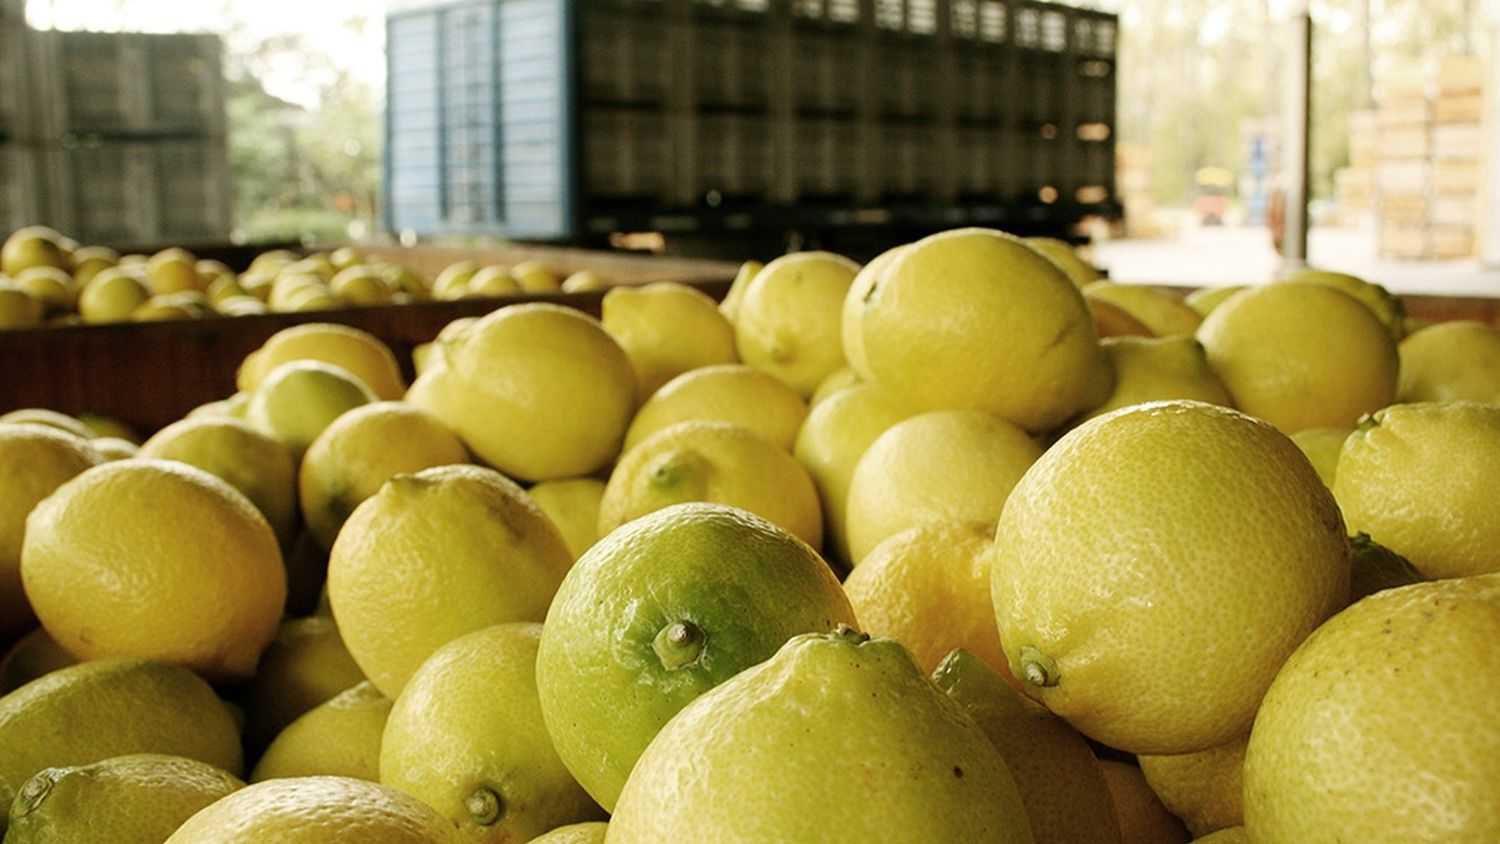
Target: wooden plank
column 1466, row 108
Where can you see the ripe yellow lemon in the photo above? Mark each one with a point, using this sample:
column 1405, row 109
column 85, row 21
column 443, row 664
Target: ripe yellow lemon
column 660, row 611
column 54, row 288
column 1205, row 300
column 1204, row 789
column 1322, row 447
column 18, row 309
column 1301, row 356
column 715, row 462
column 572, row 505
column 667, row 329
column 1418, row 478
column 157, row 559
column 1143, row 819
column 466, row 737
column 1058, row 778
column 361, row 285
column 851, row 322
column 538, row 391
column 1232, row 835
column 976, row 319
column 111, row 707
column 535, row 277
column 837, row 380
column 1344, row 747
column 493, row 280
column 747, row 271
column 360, row 352
column 787, row 322
column 733, row 393
column 48, row 419
column 339, row 737
column 303, row 666
column 453, row 282
column 111, row 296
column 1163, row 313
column 298, row 400
column 588, row 832
column 34, row 461
column 433, row 556
column 316, row 810
column 137, row 797
column 1067, row 259
column 840, row 738
column 1385, row 306
column 1451, row 361
column 944, row 466
column 584, row 281
column 1155, row 567
column 90, row 261
column 1157, row 369
column 360, row 451
column 34, row 246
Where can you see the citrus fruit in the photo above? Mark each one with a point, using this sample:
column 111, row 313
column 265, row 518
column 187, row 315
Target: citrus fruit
column 358, row 352
column 466, row 737
column 111, row 296
column 976, row 319
column 733, row 393
column 658, row 612
column 298, row 400
column 1204, row 789
column 172, row 271
column 1205, row 300
column 1232, row 835
column 712, row 461
column 588, row 832
column 433, row 556
column 339, row 737
column 1374, row 567
column 114, row 448
column 48, row 419
column 360, row 451
column 492, row 280
column 742, row 278
column 1163, row 313
column 851, row 322
column 316, row 810
column 110, row 707
column 362, row 285
column 535, row 277
column 1067, row 259
column 837, row 380
column 1155, row 567
column 944, row 466
column 1418, row 478
column 1386, row 307
column 1450, row 361
column 54, row 288
column 573, row 506
column 1301, row 356
column 156, row 559
column 584, row 281
column 787, row 321
column 667, row 329
column 1157, row 369
column 840, row 738
column 1143, row 819
column 453, row 281
column 90, row 260
column 33, row 246
column 18, row 309
column 33, row 655
column 141, row 797
column 99, row 425
column 1111, row 320
column 1322, row 447
column 538, row 391
column 1344, row 746
column 303, row 666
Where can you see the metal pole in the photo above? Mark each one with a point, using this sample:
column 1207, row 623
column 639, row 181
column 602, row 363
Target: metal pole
column 1295, row 168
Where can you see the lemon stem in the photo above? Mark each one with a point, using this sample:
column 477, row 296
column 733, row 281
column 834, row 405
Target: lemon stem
column 484, row 806
column 33, row 793
column 844, row 631
column 1038, row 668
column 679, row 644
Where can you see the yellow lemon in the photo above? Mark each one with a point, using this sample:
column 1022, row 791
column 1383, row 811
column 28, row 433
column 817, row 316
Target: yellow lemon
column 362, row 285
column 34, row 655
column 538, row 391
column 1301, row 356
column 422, row 355
column 1111, row 320
column 1232, row 835
column 172, row 271
column 289, row 287
column 90, row 261
column 359, row 452
column 1143, row 819
column 137, row 797
column 851, row 322
column 339, row 737
column 742, row 278
column 1156, row 369
column 976, row 319
column 1451, row 361
column 1155, row 567
column 1205, row 299
column 944, row 466
column 1418, row 478
column 1204, row 789
column 453, row 282
column 1322, row 447
column 1386, row 307
column 1059, row 780
column 54, row 288
column 114, row 448
column 99, row 425
column 493, row 280
column 299, row 400
column 733, row 393
column 358, row 352
column 1344, row 747
column 33, row 246
column 716, row 462
column 667, row 329
column 535, row 277
column 1067, row 259
column 572, row 505
column 433, row 556
column 839, row 379
column 305, row 665
column 316, row 810
column 47, row 418
column 111, row 296
column 787, row 322
column 466, row 737
column 1163, row 313
column 34, row 461
column 584, row 281
column 19, row 309
column 588, row 832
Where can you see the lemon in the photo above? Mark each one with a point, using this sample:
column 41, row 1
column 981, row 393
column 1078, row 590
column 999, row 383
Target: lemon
column 19, row 309
column 1322, row 446
column 840, row 738
column 1157, row 369
column 33, row 246
column 852, row 314
column 657, row 613
column 944, row 466
column 339, row 737
column 927, row 587
column 667, row 329
column 573, row 506
column 1204, row 789
column 90, row 261
column 47, row 418
column 1067, row 259
column 1143, row 819
column 787, row 321
column 717, row 462
column 297, row 401
column 1418, row 478
column 588, row 832
column 111, row 707
column 157, row 559
column 493, row 280
column 54, row 288
column 1344, row 746
column 734, row 393
column 360, row 451
column 289, row 287
column 246, row 459
column 1163, row 313
column 111, row 296
column 1155, row 567
column 172, row 271
column 1374, row 567
column 839, row 379
column 33, row 655
column 34, row 461
column 423, row 354
column 1058, row 779
column 1232, row 835
column 584, row 281
column 1452, row 361
column 976, row 319
column 466, row 737
column 1386, row 307
column 1205, row 299
column 832, row 439
column 316, row 810
column 1301, row 356
column 1111, row 320
column 305, row 665
column 99, row 426
column 433, row 556
column 356, row 351
column 534, row 277
column 139, row 798
column 538, row 391
column 362, row 285
column 453, row 282
column 742, row 278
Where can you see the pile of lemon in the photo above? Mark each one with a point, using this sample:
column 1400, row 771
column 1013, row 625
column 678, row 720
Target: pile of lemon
column 962, row 545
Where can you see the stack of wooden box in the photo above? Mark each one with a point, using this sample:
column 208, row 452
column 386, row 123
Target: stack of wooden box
column 1458, row 151
column 1354, row 185
column 1403, row 176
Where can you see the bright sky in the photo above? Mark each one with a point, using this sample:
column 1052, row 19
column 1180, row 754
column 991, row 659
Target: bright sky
column 322, row 21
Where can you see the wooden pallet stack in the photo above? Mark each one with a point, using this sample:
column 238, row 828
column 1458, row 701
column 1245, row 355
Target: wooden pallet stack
column 1458, row 152
column 1354, row 186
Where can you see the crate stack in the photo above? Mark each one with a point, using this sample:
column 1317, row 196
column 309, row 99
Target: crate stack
column 19, row 193
column 1354, row 185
